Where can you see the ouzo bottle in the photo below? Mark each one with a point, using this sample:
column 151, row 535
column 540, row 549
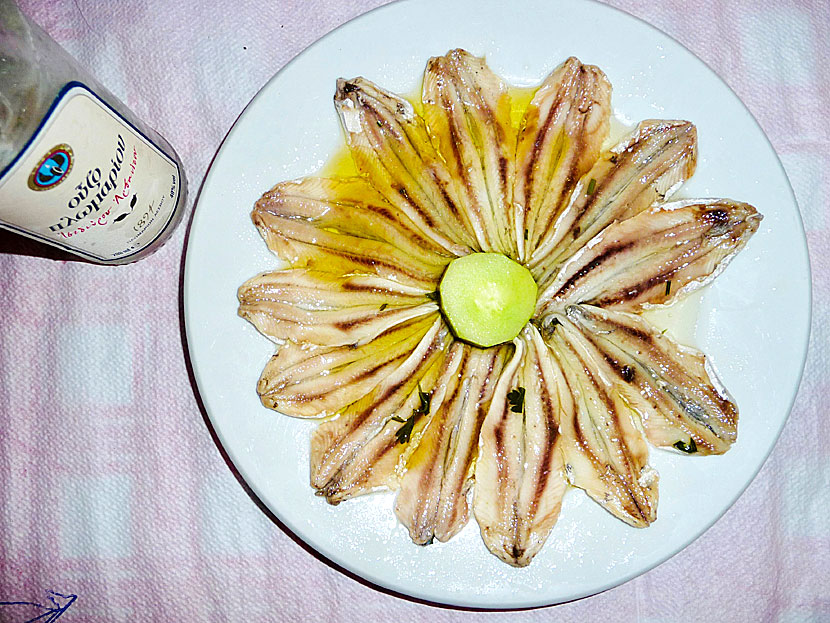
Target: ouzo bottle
column 78, row 170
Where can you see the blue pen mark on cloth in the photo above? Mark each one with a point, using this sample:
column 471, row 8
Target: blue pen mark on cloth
column 31, row 612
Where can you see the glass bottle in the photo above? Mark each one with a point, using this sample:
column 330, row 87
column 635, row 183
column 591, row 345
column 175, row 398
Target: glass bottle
column 78, row 170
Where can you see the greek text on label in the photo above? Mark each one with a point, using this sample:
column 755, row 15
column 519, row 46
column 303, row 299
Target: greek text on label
column 92, row 184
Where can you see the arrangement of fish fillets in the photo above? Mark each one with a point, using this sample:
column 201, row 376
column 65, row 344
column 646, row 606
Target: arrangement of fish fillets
column 499, row 433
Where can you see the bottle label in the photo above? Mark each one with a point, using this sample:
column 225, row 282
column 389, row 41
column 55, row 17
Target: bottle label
column 90, row 182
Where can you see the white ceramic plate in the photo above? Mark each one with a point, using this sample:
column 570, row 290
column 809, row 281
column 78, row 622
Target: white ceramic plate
column 290, row 129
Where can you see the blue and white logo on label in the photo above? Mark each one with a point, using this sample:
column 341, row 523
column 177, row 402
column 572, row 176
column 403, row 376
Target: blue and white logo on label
column 52, row 169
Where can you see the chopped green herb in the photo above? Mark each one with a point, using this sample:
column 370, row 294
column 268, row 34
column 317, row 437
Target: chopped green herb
column 689, row 448
column 627, row 373
column 405, row 432
column 384, row 306
column 552, row 324
column 516, row 399
column 592, row 186
column 526, row 232
column 380, row 124
column 668, row 287
column 425, row 398
column 396, row 418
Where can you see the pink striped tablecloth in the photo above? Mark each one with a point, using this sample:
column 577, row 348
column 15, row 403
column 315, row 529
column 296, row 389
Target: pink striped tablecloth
column 117, row 505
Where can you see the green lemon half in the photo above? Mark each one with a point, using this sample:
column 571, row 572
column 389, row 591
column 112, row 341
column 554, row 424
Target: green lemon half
column 487, row 298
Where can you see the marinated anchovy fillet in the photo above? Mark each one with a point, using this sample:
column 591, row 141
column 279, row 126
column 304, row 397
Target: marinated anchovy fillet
column 649, row 165
column 653, row 257
column 320, row 308
column 467, row 111
column 432, row 502
column 519, row 479
column 560, row 139
column 360, row 450
column 313, row 381
column 682, row 404
column 344, row 226
column 390, row 146
column 604, row 450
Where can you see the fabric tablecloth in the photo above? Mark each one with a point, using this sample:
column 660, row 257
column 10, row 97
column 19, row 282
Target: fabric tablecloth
column 116, row 504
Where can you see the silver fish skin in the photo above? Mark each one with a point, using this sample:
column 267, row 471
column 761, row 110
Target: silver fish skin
column 329, row 310
column 344, row 226
column 391, row 148
column 647, row 166
column 519, row 472
column 681, row 401
column 359, row 451
column 654, row 257
column 309, row 381
column 467, row 112
column 561, row 137
column 433, row 498
column 604, row 449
